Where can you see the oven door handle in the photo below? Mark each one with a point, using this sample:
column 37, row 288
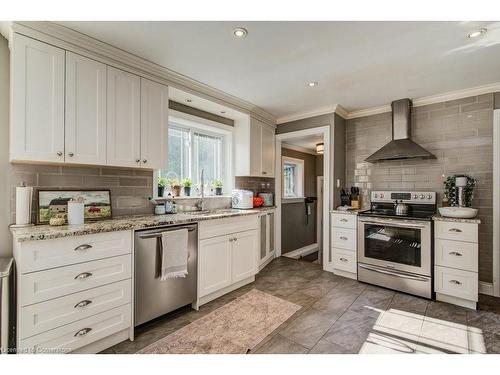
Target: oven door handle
column 393, row 273
column 392, row 223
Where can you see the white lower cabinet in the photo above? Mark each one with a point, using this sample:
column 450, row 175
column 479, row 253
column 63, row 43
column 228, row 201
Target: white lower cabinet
column 456, row 263
column 227, row 258
column 74, row 294
column 342, row 258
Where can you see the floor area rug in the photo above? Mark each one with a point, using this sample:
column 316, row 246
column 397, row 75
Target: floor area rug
column 231, row 329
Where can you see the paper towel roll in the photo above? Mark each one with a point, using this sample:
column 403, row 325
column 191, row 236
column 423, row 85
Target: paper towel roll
column 75, row 213
column 24, row 195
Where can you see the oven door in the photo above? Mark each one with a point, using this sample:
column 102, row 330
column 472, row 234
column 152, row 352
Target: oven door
column 403, row 245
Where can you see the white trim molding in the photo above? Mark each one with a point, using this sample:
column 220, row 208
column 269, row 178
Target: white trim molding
column 486, row 288
column 418, row 102
column 303, row 251
column 71, row 40
column 496, row 202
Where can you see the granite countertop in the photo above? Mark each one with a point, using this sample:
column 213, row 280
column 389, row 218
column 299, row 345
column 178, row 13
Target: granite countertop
column 349, row 212
column 438, row 217
column 45, row 232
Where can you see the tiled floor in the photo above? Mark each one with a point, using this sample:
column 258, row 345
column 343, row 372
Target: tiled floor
column 340, row 315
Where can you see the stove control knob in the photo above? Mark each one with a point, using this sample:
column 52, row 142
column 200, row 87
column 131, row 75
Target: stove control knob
column 421, row 196
column 381, row 195
column 415, row 196
column 375, row 195
column 429, row 196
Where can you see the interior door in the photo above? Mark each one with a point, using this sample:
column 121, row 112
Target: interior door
column 123, row 118
column 37, row 117
column 215, row 264
column 85, row 114
column 154, row 124
column 244, row 255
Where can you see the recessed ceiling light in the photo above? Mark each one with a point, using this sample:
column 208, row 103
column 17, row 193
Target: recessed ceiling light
column 312, row 84
column 189, row 100
column 240, row 32
column 477, row 33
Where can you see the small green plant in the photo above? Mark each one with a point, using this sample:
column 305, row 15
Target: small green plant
column 187, row 182
column 162, row 181
column 173, row 182
column 217, row 184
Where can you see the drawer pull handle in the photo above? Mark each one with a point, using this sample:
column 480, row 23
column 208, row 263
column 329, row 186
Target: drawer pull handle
column 455, row 253
column 83, row 304
column 344, row 238
column 456, row 230
column 343, row 220
column 83, row 247
column 83, row 275
column 343, row 259
column 83, row 332
column 456, row 282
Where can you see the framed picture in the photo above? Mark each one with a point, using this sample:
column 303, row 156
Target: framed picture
column 97, row 204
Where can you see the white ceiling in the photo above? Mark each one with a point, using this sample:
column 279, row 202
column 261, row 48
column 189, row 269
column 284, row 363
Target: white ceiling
column 357, row 64
column 309, row 142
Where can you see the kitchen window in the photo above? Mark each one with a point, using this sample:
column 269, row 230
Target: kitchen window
column 193, row 146
column 293, row 177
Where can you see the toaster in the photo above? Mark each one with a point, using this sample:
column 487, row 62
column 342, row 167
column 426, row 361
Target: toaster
column 242, row 199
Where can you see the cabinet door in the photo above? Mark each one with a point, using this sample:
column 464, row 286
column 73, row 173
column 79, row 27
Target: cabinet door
column 263, row 238
column 37, row 94
column 214, row 260
column 123, row 119
column 255, row 148
column 85, row 125
column 154, row 124
column 268, row 151
column 244, row 254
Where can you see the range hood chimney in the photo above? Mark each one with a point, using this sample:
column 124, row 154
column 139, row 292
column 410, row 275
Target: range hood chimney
column 401, row 146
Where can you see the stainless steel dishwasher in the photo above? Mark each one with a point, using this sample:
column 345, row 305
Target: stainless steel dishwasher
column 154, row 297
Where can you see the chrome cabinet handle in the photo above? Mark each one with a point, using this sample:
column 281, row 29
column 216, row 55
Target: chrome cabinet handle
column 343, row 238
column 83, row 304
column 235, row 239
column 343, row 220
column 144, row 161
column 59, row 153
column 263, row 172
column 231, row 239
column 71, row 154
column 83, row 332
column 456, row 230
column 455, row 253
column 83, row 247
column 83, row 275
column 137, row 160
column 456, row 282
column 343, row 259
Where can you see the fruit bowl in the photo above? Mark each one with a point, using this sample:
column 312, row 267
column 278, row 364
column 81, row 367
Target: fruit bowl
column 458, row 212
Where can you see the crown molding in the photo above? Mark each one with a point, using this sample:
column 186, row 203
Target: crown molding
column 341, row 111
column 302, row 115
column 71, row 40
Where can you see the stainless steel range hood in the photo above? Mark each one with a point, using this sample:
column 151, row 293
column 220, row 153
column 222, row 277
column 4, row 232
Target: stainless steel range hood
column 401, row 146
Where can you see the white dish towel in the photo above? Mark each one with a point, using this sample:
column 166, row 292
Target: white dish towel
column 174, row 254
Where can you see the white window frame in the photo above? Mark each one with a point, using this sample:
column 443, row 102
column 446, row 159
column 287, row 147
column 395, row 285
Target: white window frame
column 300, row 176
column 184, row 120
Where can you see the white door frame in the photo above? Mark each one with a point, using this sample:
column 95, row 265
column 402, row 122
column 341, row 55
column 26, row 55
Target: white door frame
column 325, row 130
column 319, row 213
column 496, row 202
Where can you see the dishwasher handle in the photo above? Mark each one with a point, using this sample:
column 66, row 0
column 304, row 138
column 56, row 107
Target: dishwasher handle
column 158, row 234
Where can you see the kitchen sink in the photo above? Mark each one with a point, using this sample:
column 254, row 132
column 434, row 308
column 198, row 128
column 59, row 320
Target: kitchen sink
column 458, row 212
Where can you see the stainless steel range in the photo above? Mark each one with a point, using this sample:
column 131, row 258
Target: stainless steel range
column 395, row 241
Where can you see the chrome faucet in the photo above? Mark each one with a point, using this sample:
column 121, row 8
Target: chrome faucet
column 201, row 202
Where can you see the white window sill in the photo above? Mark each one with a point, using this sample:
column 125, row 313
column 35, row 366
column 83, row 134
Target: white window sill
column 206, row 197
column 292, row 200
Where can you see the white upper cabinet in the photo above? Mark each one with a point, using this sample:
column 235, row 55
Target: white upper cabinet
column 85, row 126
column 255, row 149
column 123, row 118
column 37, row 94
column 154, row 124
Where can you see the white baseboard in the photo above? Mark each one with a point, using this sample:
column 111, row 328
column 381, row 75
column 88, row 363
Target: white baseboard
column 486, row 288
column 303, row 251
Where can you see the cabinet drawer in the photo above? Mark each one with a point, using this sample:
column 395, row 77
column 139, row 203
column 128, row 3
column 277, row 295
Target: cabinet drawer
column 344, row 238
column 222, row 227
column 457, row 231
column 457, row 254
column 456, row 283
column 44, row 316
column 344, row 221
column 81, row 333
column 344, row 260
column 45, row 254
column 44, row 285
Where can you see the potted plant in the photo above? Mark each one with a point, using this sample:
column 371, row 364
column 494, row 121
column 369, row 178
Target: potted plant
column 162, row 182
column 187, row 183
column 176, row 187
column 217, row 185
